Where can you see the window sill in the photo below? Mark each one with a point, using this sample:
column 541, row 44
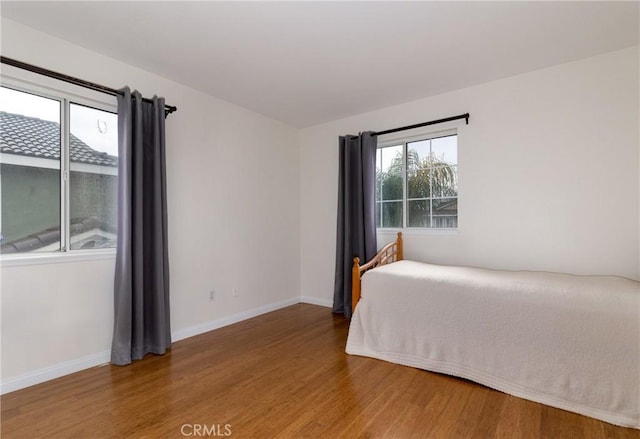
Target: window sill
column 416, row 231
column 17, row 260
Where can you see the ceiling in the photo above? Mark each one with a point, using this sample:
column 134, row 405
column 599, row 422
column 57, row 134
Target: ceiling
column 306, row 63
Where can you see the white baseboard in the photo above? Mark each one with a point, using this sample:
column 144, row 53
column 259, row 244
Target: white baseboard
column 53, row 372
column 69, row 367
column 316, row 301
column 230, row 320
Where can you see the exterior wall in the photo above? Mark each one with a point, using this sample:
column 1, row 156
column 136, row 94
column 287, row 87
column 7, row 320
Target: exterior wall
column 30, row 200
column 548, row 174
column 94, row 195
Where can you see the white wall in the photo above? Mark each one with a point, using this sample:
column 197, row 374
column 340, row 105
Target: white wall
column 548, row 174
column 233, row 198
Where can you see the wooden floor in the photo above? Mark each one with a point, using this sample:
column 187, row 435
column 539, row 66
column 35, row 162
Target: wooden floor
column 280, row 375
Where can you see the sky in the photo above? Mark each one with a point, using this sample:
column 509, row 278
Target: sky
column 96, row 128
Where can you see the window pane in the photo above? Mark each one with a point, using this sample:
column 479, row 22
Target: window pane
column 445, row 212
column 418, row 184
column 29, row 172
column 418, row 213
column 379, row 177
column 444, row 181
column 389, row 176
column 444, row 150
column 445, row 222
column 392, row 214
column 417, row 155
column 93, row 178
column 378, row 219
column 391, row 159
column 391, row 187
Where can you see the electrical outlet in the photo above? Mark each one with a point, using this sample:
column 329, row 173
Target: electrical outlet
column 212, row 295
column 235, row 292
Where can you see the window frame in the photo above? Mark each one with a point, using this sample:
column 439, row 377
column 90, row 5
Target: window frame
column 28, row 82
column 404, row 140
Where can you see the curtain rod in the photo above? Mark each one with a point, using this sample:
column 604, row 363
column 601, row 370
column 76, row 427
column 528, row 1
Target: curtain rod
column 464, row 116
column 168, row 109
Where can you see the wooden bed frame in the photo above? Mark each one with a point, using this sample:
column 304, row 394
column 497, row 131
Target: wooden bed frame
column 389, row 253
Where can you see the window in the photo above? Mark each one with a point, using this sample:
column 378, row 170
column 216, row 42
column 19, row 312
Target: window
column 417, row 183
column 58, row 173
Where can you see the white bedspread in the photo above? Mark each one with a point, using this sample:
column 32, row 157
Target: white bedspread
column 571, row 342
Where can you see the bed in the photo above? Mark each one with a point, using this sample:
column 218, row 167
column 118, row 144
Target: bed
column 571, row 342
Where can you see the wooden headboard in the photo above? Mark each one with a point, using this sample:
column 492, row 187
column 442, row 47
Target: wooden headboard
column 389, row 253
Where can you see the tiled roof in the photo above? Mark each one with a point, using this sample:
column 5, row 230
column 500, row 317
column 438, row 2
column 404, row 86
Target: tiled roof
column 29, row 136
column 52, row 235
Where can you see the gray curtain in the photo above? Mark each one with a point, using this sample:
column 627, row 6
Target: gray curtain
column 142, row 267
column 356, row 231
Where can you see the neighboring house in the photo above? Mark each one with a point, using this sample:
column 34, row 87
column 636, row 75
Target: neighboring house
column 30, row 188
column 446, row 215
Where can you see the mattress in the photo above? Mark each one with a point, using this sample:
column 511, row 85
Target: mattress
column 571, row 342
